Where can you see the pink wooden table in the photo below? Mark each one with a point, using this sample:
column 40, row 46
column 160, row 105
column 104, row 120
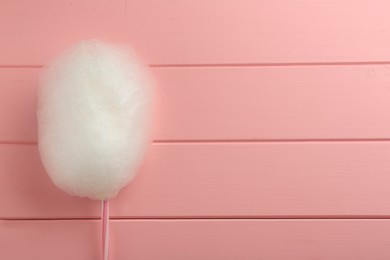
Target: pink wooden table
column 272, row 139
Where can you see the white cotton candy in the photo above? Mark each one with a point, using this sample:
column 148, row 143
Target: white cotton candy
column 93, row 118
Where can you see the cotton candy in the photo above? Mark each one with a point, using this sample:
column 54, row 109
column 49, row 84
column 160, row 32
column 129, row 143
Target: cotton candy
column 94, row 111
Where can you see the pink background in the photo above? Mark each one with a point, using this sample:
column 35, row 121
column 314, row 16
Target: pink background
column 272, row 138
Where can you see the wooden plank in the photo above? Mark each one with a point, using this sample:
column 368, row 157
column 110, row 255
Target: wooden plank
column 258, row 31
column 33, row 31
column 218, row 180
column 330, row 102
column 198, row 239
column 201, row 32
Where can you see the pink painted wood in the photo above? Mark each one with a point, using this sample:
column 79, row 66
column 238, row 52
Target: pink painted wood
column 199, row 239
column 268, row 109
column 257, row 103
column 201, row 32
column 33, row 32
column 218, row 180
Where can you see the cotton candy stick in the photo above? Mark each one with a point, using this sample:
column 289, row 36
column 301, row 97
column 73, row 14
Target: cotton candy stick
column 94, row 114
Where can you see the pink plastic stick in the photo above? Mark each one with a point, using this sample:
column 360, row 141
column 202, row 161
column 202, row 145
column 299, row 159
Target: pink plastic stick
column 105, row 228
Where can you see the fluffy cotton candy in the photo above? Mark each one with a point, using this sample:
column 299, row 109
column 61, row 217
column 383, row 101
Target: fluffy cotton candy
column 93, row 118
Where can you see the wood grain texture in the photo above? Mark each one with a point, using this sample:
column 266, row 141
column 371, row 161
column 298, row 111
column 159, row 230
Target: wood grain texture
column 218, row 180
column 267, row 109
column 284, row 103
column 259, row 31
column 33, row 32
column 199, row 239
column 201, row 32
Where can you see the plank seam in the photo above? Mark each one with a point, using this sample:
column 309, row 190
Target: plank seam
column 357, row 217
column 245, row 141
column 208, row 65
